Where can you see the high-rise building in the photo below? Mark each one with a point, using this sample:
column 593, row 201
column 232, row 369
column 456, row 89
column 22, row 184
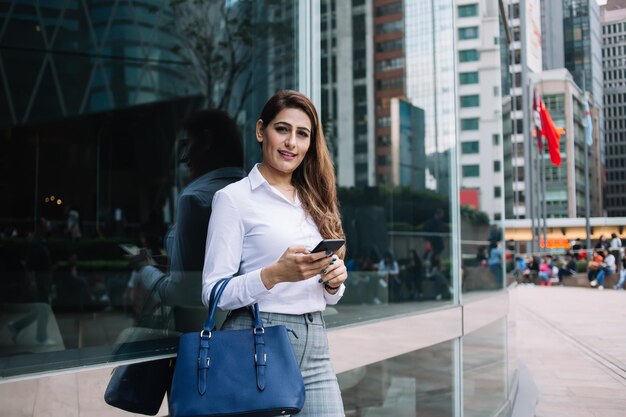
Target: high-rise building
column 407, row 145
column 479, row 91
column 614, row 65
column 525, row 58
column 374, row 51
column 348, row 83
column 390, row 77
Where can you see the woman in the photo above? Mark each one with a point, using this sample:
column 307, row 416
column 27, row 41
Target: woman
column 261, row 231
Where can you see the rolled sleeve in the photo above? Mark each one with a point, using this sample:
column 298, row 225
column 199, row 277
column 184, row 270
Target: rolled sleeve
column 332, row 299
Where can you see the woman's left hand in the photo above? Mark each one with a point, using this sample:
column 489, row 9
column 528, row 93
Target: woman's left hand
column 335, row 274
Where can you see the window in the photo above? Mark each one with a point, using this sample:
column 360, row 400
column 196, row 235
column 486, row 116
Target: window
column 389, row 64
column 470, row 123
column 497, row 166
column 468, row 33
column 389, row 9
column 498, row 216
column 471, row 171
column 468, row 10
column 470, row 101
column 496, row 139
column 394, row 45
column 468, row 78
column 389, row 83
column 497, row 192
column 470, row 147
column 389, row 27
column 469, row 55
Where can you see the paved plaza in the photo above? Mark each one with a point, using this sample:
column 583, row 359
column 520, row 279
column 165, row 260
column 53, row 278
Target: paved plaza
column 573, row 340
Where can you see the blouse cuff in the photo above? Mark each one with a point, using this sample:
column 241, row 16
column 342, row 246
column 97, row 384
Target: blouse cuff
column 332, row 299
column 254, row 285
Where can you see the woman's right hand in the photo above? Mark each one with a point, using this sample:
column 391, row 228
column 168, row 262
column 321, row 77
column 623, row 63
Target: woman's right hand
column 296, row 264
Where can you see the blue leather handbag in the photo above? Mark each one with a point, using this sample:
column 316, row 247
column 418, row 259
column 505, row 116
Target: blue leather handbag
column 246, row 372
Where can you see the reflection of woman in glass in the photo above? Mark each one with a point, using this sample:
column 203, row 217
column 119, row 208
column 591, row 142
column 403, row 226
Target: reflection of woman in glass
column 261, row 230
column 415, row 274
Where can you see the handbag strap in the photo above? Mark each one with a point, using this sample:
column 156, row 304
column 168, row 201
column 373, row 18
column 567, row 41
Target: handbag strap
column 204, row 360
column 216, row 294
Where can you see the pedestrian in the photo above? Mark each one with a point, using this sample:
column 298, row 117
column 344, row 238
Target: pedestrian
column 261, row 231
column 615, row 247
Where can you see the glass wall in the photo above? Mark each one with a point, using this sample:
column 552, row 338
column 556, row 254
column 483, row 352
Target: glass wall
column 93, row 97
column 92, row 100
column 419, row 383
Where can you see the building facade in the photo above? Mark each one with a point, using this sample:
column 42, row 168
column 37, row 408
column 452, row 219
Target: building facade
column 117, row 164
column 614, row 65
column 480, row 106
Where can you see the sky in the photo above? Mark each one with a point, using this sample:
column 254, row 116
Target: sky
column 601, row 2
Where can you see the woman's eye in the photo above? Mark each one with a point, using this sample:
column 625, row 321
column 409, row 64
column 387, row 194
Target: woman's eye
column 303, row 133
column 281, row 129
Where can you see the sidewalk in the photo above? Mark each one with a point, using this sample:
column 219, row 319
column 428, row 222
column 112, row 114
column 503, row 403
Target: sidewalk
column 573, row 340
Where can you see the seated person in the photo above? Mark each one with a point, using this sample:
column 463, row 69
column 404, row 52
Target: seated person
column 594, row 265
column 608, row 267
column 568, row 269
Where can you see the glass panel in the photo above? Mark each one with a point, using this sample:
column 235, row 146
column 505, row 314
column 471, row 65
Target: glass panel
column 392, row 132
column 97, row 150
column 419, row 383
column 485, row 370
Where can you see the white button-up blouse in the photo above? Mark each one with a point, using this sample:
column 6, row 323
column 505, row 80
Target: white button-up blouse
column 251, row 226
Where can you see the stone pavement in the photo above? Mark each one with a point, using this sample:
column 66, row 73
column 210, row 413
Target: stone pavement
column 573, row 340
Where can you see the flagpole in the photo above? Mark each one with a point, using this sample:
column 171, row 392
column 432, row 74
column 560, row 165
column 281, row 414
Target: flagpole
column 587, row 198
column 529, row 171
column 544, row 206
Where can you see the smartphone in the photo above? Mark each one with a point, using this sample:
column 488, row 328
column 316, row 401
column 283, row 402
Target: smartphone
column 331, row 245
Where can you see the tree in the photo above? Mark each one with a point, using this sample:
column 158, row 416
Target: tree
column 226, row 43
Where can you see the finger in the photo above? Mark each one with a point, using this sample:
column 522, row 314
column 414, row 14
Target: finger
column 317, row 257
column 334, row 271
column 298, row 249
column 330, row 264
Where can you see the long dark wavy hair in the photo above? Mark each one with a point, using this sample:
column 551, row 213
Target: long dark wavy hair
column 314, row 178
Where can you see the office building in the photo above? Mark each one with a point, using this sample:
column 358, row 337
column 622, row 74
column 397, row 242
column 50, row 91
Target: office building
column 614, row 65
column 347, row 79
column 480, row 105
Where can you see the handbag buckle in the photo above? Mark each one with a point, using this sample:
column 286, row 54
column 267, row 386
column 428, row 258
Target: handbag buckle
column 202, row 334
column 264, row 358
column 262, row 330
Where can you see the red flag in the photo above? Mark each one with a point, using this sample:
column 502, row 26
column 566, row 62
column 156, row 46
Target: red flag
column 537, row 120
column 553, row 138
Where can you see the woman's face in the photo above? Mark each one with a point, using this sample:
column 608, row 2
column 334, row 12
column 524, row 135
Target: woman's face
column 286, row 140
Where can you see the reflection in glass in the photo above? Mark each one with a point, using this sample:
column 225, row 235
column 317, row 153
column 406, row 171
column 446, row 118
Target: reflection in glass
column 485, row 370
column 90, row 142
column 419, row 383
column 390, row 124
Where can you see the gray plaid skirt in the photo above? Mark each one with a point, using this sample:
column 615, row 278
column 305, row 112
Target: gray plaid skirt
column 323, row 398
